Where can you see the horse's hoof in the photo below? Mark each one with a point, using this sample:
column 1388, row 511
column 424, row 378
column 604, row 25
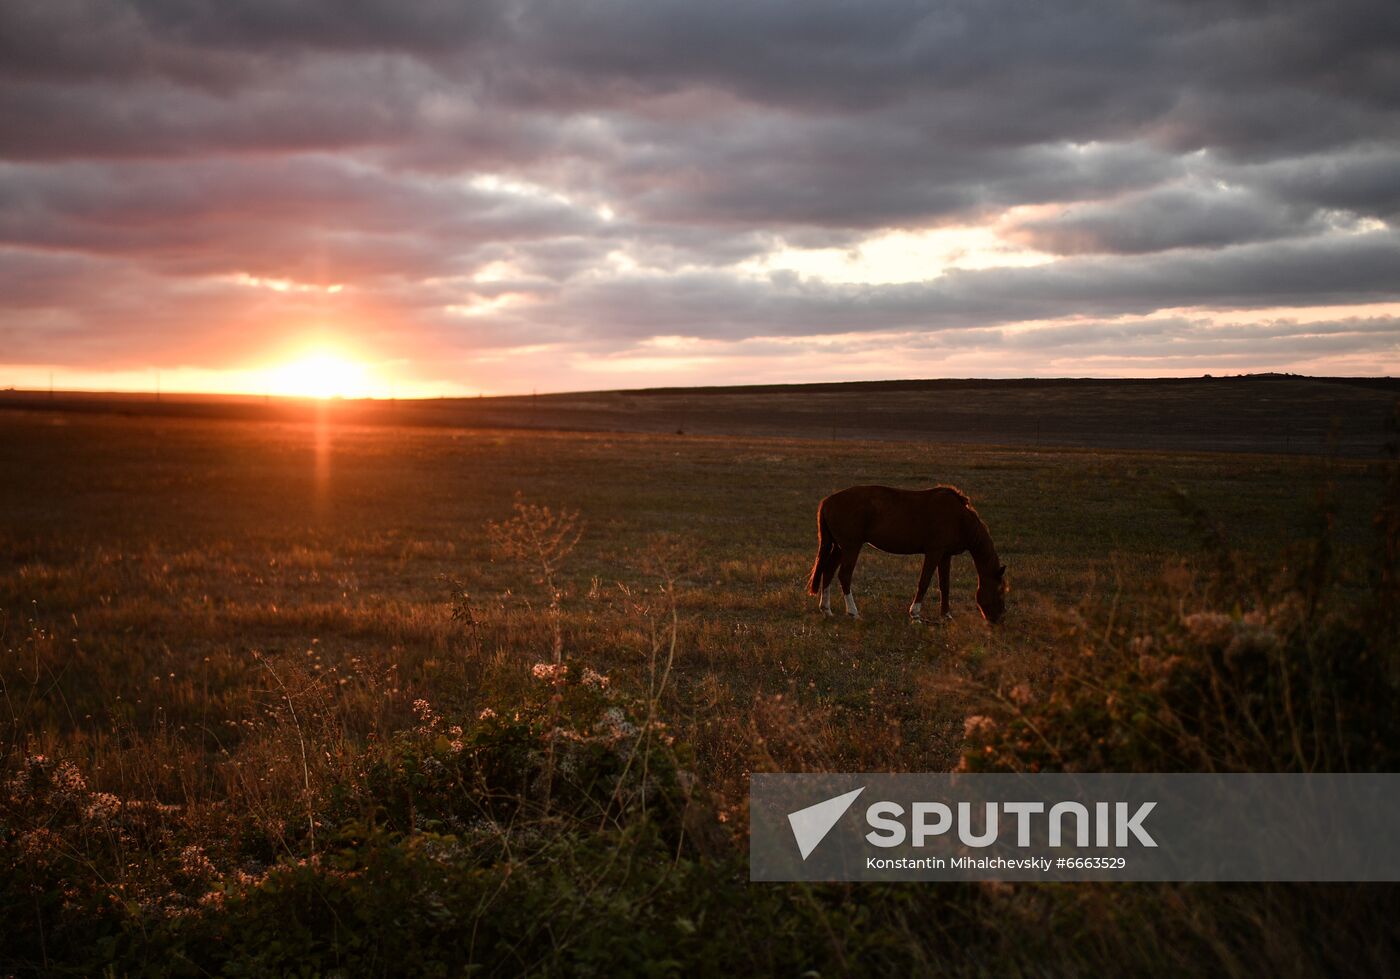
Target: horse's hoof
column 826, row 612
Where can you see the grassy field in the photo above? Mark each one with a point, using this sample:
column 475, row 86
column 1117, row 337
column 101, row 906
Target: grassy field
column 246, row 632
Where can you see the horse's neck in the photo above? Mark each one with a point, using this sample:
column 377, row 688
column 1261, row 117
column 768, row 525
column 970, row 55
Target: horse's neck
column 980, row 546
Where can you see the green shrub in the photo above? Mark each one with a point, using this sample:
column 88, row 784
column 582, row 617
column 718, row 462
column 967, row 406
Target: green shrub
column 1253, row 669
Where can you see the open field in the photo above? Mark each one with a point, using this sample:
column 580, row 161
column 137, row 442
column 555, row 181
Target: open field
column 1257, row 413
column 235, row 619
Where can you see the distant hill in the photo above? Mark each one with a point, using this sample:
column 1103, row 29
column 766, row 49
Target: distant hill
column 1251, row 413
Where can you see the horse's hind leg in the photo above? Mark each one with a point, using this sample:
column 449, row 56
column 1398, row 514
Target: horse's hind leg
column 827, row 574
column 925, row 576
column 849, row 556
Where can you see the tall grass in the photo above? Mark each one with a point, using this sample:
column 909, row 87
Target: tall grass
column 565, row 830
column 381, row 752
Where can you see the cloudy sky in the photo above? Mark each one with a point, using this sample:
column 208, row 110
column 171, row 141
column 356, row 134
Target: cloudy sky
column 453, row 196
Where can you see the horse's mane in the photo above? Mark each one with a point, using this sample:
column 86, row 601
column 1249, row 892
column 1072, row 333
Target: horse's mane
column 980, row 536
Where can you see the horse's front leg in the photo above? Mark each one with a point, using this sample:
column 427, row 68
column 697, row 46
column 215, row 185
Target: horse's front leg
column 925, row 574
column 945, row 568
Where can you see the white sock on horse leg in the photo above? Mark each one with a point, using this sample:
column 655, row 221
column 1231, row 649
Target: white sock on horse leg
column 826, row 598
column 914, row 610
column 850, row 604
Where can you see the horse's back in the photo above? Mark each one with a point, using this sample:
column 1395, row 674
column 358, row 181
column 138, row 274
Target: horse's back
column 856, row 500
column 869, row 494
column 897, row 520
column 891, row 498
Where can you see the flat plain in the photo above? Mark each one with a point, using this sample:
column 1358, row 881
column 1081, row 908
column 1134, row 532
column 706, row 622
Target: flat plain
column 234, row 616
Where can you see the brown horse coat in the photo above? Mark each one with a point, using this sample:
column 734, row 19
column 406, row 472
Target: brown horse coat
column 937, row 523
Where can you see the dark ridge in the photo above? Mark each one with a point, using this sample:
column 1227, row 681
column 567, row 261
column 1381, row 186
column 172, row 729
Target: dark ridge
column 917, row 384
column 1282, row 413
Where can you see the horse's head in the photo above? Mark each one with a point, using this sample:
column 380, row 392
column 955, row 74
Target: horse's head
column 991, row 595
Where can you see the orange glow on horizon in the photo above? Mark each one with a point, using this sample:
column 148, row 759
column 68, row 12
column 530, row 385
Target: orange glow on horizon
column 311, row 368
column 322, row 373
column 350, row 358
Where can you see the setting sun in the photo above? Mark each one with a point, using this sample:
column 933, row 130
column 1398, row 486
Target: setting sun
column 323, row 374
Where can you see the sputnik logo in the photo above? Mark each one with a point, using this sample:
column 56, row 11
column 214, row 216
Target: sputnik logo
column 810, row 825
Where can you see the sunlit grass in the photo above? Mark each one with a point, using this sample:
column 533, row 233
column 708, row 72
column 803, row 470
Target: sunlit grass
column 238, row 619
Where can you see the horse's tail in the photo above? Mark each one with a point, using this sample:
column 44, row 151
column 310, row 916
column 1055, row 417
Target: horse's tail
column 826, row 547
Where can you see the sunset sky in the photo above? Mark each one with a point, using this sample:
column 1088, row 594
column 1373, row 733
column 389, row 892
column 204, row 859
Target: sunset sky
column 455, row 196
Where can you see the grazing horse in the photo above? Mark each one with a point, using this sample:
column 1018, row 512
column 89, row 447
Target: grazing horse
column 937, row 523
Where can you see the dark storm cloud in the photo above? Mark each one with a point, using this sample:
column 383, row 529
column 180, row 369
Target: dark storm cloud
column 877, row 173
column 1230, row 204
column 316, row 220
column 1365, row 181
column 1170, row 217
column 621, row 310
column 1177, row 153
column 259, row 25
column 989, row 73
column 1356, row 268
column 217, row 42
column 1188, row 335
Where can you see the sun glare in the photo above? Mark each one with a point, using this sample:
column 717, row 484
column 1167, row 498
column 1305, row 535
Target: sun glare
column 323, row 374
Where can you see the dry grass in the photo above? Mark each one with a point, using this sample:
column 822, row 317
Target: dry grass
column 232, row 617
column 153, row 569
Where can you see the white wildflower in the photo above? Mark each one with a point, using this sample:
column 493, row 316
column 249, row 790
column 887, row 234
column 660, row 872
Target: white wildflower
column 554, row 673
column 101, row 807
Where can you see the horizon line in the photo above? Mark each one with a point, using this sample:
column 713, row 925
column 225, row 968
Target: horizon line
column 160, row 394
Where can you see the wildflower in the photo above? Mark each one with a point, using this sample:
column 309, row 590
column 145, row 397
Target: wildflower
column 195, row 864
column 554, row 673
column 1210, row 628
column 486, row 714
column 39, row 845
column 592, row 678
column 31, row 780
column 616, row 725
column 979, row 726
column 101, row 807
column 68, row 782
column 428, row 719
